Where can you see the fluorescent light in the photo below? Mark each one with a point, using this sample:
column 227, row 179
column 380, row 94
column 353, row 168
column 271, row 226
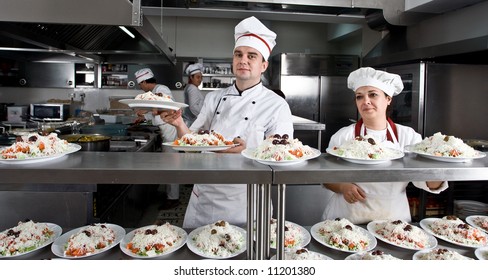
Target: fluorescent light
column 127, row 31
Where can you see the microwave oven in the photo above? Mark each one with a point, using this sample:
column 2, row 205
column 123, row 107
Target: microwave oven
column 49, row 112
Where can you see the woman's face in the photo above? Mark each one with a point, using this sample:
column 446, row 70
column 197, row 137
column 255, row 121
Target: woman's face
column 196, row 79
column 372, row 102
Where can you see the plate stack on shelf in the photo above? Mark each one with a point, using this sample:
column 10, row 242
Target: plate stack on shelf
column 465, row 208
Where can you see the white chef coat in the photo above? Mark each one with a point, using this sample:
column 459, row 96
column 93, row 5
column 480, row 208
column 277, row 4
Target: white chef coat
column 254, row 114
column 167, row 131
column 384, row 200
column 194, row 98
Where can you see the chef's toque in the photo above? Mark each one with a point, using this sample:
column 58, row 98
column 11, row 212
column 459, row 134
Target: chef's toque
column 194, row 68
column 250, row 32
column 143, row 74
column 390, row 83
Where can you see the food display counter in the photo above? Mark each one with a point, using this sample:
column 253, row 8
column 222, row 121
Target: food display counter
column 186, row 168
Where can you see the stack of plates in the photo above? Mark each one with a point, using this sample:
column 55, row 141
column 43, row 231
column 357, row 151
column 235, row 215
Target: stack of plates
column 464, row 208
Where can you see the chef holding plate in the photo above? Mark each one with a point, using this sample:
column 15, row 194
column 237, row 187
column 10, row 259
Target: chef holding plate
column 246, row 112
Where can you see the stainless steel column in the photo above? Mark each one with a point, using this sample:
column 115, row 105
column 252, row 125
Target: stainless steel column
column 267, row 219
column 251, row 206
column 260, row 245
column 280, row 229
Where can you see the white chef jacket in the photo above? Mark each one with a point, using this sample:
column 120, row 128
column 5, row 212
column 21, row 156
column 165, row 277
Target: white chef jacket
column 254, row 114
column 384, row 200
column 194, row 98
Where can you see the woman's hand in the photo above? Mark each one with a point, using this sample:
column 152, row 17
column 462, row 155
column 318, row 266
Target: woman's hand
column 352, row 193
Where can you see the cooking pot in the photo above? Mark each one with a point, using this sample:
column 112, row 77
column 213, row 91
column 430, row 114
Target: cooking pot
column 89, row 142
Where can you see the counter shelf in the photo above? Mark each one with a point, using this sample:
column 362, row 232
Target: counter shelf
column 191, row 168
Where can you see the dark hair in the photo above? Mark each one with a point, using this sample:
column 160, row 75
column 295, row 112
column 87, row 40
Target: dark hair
column 151, row 81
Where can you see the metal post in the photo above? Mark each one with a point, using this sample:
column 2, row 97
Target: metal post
column 260, row 223
column 251, row 198
column 267, row 219
column 280, row 229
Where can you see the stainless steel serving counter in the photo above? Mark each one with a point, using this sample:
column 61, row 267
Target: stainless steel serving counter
column 184, row 168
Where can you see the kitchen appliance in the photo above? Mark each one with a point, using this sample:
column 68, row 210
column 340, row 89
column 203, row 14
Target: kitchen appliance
column 49, row 112
column 315, row 87
column 16, row 114
column 446, row 98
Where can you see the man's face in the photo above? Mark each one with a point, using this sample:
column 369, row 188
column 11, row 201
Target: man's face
column 248, row 64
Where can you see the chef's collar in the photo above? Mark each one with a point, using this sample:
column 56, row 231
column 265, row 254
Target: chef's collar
column 241, row 91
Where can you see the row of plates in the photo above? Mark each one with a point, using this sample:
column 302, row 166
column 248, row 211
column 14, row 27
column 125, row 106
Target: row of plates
column 122, row 239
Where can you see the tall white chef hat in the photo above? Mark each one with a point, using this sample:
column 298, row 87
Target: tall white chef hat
column 250, row 32
column 390, row 83
column 194, row 68
column 143, row 74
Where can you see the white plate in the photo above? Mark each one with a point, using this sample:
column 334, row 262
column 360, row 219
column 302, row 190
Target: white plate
column 129, row 236
column 59, row 246
column 470, row 220
column 56, row 233
column 425, row 224
column 417, row 256
column 479, row 155
column 192, row 246
column 153, row 104
column 481, row 253
column 399, row 154
column 72, row 148
column 198, row 148
column 359, row 256
column 305, row 238
column 248, row 154
column 288, row 256
column 319, row 238
column 431, row 243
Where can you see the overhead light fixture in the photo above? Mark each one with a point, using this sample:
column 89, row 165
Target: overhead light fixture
column 127, row 31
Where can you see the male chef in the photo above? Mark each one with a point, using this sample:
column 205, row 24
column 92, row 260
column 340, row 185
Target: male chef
column 246, row 112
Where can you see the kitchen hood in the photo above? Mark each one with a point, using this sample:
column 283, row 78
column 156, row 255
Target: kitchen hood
column 456, row 36
column 74, row 31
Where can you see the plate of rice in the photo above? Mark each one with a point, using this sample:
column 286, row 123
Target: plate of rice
column 280, row 150
column 340, row 234
column 303, row 254
column 439, row 254
column 365, row 150
column 445, row 148
column 34, row 148
column 372, row 255
column 220, row 240
column 402, row 234
column 149, row 100
column 27, row 237
column 200, row 141
column 153, row 241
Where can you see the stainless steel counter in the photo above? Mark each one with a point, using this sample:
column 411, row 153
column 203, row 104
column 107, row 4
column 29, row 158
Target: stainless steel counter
column 187, row 168
column 328, row 168
column 139, row 168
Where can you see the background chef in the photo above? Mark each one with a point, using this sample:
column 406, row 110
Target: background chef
column 364, row 202
column 193, row 96
column 246, row 112
column 147, row 82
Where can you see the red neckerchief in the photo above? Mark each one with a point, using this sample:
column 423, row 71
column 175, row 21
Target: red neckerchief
column 357, row 129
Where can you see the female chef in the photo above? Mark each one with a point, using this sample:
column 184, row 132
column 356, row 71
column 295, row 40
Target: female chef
column 246, row 112
column 193, row 96
column 364, row 202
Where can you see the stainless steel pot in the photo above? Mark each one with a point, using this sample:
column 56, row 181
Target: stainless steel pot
column 89, row 142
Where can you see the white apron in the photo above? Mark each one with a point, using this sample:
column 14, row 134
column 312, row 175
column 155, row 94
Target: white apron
column 256, row 113
column 385, row 200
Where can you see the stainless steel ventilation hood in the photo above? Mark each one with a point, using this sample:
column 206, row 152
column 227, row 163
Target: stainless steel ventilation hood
column 79, row 31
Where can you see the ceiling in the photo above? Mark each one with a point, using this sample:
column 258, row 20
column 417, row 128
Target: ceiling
column 89, row 36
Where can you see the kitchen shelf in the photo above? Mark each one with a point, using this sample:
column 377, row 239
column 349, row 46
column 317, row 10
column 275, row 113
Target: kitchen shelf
column 114, row 76
column 85, row 75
